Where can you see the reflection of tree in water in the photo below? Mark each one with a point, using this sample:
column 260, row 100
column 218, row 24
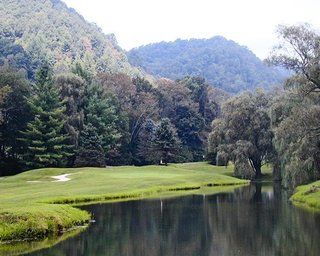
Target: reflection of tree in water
column 251, row 221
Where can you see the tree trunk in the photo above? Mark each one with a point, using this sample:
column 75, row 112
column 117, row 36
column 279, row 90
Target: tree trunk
column 257, row 167
column 276, row 170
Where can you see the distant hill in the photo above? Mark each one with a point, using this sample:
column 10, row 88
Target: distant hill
column 49, row 30
column 224, row 63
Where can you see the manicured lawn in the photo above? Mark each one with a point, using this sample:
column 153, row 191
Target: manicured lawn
column 308, row 196
column 34, row 205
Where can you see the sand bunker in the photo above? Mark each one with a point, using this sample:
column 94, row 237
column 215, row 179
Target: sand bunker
column 61, row 178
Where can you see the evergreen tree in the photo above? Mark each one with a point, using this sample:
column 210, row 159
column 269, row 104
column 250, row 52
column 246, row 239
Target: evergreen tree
column 72, row 91
column 166, row 142
column 44, row 135
column 145, row 142
column 90, row 151
column 101, row 114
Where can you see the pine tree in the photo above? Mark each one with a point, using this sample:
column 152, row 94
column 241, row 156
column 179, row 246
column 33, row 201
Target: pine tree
column 90, row 151
column 101, row 114
column 44, row 136
column 166, row 143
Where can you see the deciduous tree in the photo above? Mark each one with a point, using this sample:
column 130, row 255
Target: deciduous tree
column 243, row 134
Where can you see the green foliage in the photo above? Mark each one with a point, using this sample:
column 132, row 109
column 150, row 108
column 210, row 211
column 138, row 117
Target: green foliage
column 201, row 93
column 166, row 142
column 72, row 91
column 222, row 62
column 50, row 31
column 44, row 136
column 100, row 113
column 15, row 113
column 15, row 56
column 145, row 142
column 190, row 109
column 243, row 134
column 90, row 151
column 3, row 94
column 135, row 103
column 296, row 113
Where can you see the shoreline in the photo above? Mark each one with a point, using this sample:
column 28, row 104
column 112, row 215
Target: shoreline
column 52, row 214
column 307, row 196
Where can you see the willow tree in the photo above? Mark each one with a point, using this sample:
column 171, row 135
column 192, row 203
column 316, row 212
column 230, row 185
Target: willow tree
column 243, row 134
column 296, row 115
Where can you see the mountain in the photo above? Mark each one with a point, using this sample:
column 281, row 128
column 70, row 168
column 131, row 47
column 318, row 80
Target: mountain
column 47, row 30
column 224, row 63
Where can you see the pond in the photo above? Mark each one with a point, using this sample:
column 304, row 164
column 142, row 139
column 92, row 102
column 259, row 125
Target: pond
column 254, row 220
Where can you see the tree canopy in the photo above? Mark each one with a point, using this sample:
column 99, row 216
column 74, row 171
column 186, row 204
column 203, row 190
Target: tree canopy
column 243, row 134
column 296, row 114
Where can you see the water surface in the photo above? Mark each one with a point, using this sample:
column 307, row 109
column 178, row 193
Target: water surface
column 254, row 220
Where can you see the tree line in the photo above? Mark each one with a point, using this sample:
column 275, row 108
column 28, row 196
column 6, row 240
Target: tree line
column 82, row 119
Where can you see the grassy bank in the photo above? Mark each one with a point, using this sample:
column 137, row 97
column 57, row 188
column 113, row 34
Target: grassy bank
column 308, row 196
column 35, row 205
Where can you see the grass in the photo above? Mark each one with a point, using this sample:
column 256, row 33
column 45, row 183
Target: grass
column 33, row 205
column 25, row 247
column 307, row 196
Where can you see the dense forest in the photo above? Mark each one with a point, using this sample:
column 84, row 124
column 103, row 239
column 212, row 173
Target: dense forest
column 77, row 119
column 223, row 63
column 68, row 97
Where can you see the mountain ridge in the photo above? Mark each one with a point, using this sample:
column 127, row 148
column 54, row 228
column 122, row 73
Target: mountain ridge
column 223, row 62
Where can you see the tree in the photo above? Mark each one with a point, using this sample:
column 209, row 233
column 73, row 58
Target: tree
column 200, row 90
column 297, row 140
column 299, row 51
column 72, row 91
column 145, row 143
column 100, row 113
column 15, row 114
column 178, row 103
column 14, row 55
column 136, row 104
column 44, row 136
column 296, row 113
column 90, row 151
column 3, row 94
column 243, row 134
column 166, row 142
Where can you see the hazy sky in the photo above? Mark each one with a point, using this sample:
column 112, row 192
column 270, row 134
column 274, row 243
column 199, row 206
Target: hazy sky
column 248, row 22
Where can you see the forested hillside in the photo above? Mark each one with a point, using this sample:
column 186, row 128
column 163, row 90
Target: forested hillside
column 68, row 97
column 222, row 62
column 47, row 30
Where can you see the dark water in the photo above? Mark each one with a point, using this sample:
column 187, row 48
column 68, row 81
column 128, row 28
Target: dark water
column 253, row 220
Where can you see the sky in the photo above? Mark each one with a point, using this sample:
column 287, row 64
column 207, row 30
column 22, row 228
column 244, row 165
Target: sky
column 251, row 23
